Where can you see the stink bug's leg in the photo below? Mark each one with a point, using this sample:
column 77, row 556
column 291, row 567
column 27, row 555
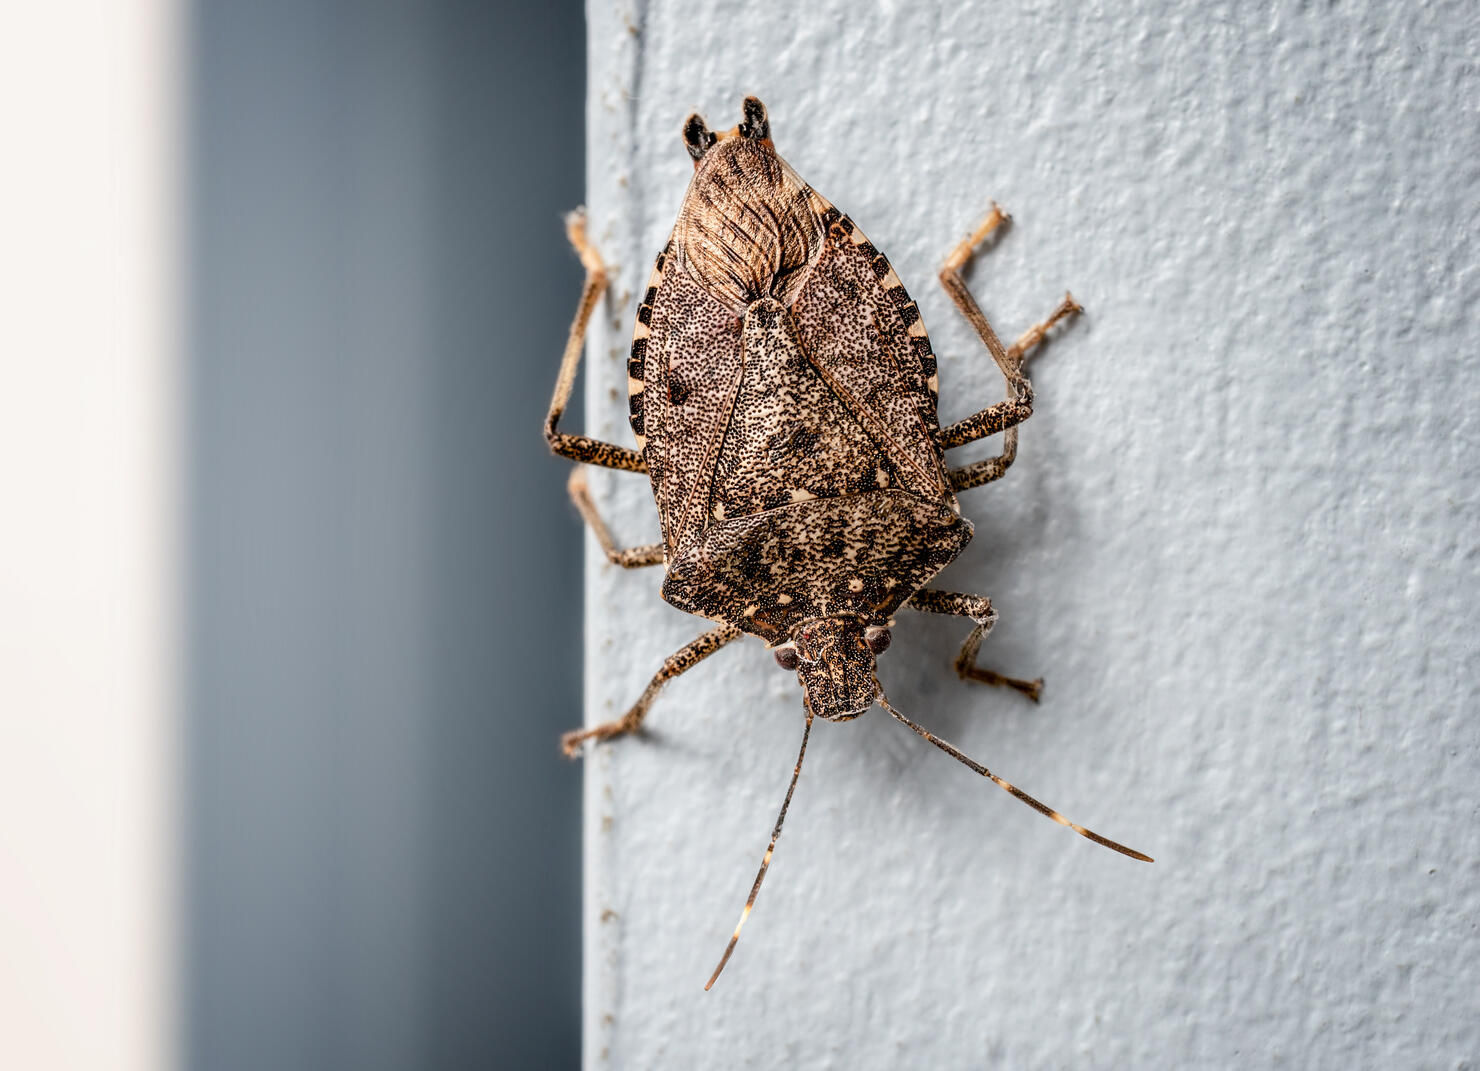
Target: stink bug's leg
column 684, row 659
column 631, row 557
column 979, row 609
column 996, row 418
column 974, row 427
column 955, row 286
column 579, row 447
column 1004, row 416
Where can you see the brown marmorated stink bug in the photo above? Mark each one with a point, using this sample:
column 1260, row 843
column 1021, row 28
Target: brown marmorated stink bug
column 783, row 394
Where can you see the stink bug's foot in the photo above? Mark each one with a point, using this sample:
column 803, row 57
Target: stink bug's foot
column 571, row 742
column 1033, row 689
column 958, row 257
column 575, row 230
column 629, row 722
column 979, row 609
column 1020, row 350
column 685, row 658
column 628, row 558
column 968, row 670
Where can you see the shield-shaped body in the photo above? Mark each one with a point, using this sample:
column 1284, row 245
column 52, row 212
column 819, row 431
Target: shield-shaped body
column 783, row 395
column 783, row 392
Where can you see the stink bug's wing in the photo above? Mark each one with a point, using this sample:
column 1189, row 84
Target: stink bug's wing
column 861, row 328
column 683, row 374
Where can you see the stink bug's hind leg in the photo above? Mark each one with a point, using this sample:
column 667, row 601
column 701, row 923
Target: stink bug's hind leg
column 579, row 447
column 1004, row 416
column 979, row 609
column 993, row 468
column 629, row 558
column 684, row 659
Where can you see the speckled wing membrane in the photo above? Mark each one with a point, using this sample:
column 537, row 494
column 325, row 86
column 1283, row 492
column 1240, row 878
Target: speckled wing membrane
column 865, row 332
column 688, row 349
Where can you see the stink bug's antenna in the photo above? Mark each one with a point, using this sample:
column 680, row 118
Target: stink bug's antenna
column 766, row 860
column 1043, row 809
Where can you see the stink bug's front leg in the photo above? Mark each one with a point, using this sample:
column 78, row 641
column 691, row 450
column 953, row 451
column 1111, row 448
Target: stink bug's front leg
column 680, row 661
column 1004, row 416
column 979, row 609
column 579, row 447
column 631, row 557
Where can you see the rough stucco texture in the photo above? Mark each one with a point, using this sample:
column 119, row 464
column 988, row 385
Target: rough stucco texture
column 1240, row 543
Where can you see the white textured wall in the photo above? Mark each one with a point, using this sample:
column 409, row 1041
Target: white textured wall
column 1240, row 543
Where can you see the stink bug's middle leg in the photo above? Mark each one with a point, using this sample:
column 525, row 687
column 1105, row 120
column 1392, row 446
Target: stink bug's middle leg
column 979, row 609
column 628, row 558
column 580, row 447
column 682, row 660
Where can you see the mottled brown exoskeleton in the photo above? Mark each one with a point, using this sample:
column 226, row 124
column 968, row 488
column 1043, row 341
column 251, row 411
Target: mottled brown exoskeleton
column 783, row 395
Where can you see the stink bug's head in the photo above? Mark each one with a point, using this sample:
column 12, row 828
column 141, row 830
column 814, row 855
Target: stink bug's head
column 834, row 661
column 746, row 230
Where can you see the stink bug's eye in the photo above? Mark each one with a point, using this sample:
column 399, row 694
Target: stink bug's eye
column 786, row 656
column 877, row 640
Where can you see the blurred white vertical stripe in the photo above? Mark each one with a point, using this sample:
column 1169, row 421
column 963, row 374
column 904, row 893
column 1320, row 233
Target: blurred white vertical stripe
column 89, row 545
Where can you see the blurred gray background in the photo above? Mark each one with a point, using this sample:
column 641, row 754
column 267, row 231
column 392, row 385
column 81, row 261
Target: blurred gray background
column 384, row 613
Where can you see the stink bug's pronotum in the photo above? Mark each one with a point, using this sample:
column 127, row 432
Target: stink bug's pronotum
column 783, row 395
